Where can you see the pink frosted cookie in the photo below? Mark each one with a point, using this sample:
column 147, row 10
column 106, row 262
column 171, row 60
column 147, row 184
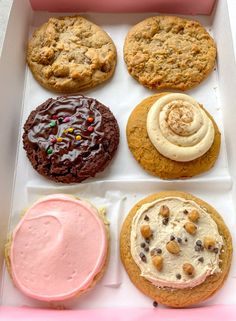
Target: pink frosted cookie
column 59, row 249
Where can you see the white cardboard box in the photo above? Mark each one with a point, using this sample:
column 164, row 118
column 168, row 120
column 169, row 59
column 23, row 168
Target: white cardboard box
column 124, row 182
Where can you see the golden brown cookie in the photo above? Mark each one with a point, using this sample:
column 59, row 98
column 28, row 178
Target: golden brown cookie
column 168, row 52
column 71, row 54
column 177, row 297
column 154, row 162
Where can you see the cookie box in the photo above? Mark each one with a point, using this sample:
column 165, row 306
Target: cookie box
column 124, row 182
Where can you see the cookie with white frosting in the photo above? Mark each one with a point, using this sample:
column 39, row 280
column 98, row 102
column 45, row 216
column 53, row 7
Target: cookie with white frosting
column 176, row 248
column 172, row 136
column 59, row 249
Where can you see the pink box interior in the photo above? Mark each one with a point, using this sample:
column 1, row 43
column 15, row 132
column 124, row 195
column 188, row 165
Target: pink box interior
column 216, row 313
column 169, row 6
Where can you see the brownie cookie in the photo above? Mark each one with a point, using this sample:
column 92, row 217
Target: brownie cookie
column 176, row 248
column 181, row 141
column 168, row 52
column 70, row 54
column 71, row 138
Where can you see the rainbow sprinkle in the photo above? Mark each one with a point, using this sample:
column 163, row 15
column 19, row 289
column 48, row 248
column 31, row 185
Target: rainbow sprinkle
column 49, row 151
column 52, row 123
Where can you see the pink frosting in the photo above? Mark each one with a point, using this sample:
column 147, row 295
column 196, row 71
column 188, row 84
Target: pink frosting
column 58, row 248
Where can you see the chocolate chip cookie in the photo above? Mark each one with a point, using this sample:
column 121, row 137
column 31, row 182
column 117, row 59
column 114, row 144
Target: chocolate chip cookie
column 71, row 54
column 70, row 138
column 168, row 52
column 176, row 265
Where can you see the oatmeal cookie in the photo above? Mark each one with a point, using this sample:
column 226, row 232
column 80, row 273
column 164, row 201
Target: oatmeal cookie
column 71, row 54
column 168, row 52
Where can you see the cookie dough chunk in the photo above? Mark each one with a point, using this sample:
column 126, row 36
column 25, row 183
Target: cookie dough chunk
column 59, row 249
column 173, row 266
column 71, row 54
column 70, row 139
column 172, row 136
column 168, row 52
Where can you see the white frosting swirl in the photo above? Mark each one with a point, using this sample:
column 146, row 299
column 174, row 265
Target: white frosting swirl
column 173, row 264
column 179, row 128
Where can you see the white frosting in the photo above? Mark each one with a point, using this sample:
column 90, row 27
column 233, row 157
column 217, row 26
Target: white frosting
column 173, row 263
column 179, row 128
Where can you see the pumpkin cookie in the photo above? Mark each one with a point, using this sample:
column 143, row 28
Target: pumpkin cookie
column 168, row 52
column 59, row 249
column 71, row 54
column 172, row 136
column 176, row 248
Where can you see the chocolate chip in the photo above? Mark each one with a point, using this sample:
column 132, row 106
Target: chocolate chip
column 185, row 212
column 216, row 250
column 199, row 247
column 60, row 119
column 199, row 242
column 179, row 240
column 147, row 241
column 143, row 245
column 143, row 257
column 146, row 218
column 178, row 276
column 146, row 249
column 165, row 221
column 155, row 251
column 172, row 238
column 186, row 240
column 155, row 304
column 201, row 259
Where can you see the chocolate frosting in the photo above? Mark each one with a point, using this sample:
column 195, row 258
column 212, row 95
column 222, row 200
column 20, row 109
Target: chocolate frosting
column 67, row 132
